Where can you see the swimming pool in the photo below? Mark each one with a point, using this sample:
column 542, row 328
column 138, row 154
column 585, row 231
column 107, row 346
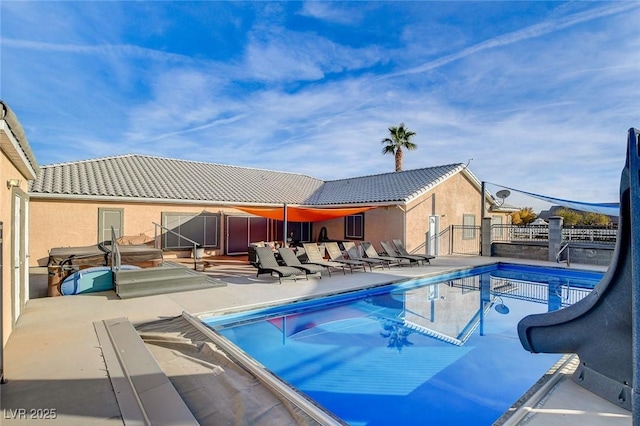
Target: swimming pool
column 436, row 350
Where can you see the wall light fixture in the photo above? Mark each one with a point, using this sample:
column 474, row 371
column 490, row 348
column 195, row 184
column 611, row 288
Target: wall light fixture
column 13, row 182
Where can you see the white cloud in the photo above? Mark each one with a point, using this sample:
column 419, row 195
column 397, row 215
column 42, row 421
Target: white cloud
column 543, row 108
column 289, row 56
column 524, row 34
column 331, row 11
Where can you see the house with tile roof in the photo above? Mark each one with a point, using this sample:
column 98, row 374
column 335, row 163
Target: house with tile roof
column 219, row 206
column 18, row 166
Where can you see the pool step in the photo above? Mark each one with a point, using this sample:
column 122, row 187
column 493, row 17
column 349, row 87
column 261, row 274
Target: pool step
column 149, row 281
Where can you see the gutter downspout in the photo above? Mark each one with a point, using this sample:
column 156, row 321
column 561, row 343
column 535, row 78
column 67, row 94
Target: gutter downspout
column 404, row 225
column 482, row 221
column 482, row 192
column 404, row 221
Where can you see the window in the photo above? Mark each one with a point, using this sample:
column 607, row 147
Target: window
column 203, row 228
column 354, row 227
column 108, row 218
column 301, row 230
column 468, row 226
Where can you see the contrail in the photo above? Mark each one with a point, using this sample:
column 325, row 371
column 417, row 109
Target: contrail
column 102, row 49
column 523, row 34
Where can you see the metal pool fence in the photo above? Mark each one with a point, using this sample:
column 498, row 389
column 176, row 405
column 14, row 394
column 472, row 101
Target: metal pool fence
column 460, row 239
column 525, row 290
column 515, row 233
column 590, row 234
column 465, row 239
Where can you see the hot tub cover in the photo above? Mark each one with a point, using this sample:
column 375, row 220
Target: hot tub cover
column 99, row 255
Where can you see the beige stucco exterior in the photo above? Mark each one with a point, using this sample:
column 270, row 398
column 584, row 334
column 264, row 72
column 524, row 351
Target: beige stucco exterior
column 32, row 226
column 16, row 169
column 450, row 200
column 70, row 223
column 7, row 201
column 378, row 224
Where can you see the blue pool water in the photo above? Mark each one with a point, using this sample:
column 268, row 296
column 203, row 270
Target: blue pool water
column 424, row 351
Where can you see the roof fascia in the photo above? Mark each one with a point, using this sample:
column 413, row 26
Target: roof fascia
column 428, row 188
column 476, row 182
column 96, row 198
column 498, row 209
column 16, row 152
column 347, row 205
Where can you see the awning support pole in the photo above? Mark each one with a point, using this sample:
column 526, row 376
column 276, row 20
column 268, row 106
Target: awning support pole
column 284, row 227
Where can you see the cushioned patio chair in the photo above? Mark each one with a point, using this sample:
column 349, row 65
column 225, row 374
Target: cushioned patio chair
column 354, row 253
column 390, row 250
column 290, row 259
column 371, row 253
column 267, row 264
column 335, row 254
column 316, row 257
column 403, row 251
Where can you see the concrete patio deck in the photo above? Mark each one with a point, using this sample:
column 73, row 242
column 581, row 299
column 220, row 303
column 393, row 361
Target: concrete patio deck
column 54, row 363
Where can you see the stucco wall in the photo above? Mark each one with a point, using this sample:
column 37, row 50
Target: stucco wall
column 335, row 229
column 450, row 200
column 57, row 223
column 381, row 223
column 8, row 171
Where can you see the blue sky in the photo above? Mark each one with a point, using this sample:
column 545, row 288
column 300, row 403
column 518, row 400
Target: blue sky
column 539, row 94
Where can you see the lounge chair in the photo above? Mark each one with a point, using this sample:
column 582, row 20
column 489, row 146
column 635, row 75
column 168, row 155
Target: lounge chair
column 267, row 264
column 315, row 257
column 371, row 253
column 335, row 254
column 403, row 251
column 354, row 253
column 290, row 259
column 390, row 250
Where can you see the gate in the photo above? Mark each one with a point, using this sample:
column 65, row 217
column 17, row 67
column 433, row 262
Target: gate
column 460, row 239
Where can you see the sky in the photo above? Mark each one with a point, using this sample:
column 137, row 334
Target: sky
column 537, row 96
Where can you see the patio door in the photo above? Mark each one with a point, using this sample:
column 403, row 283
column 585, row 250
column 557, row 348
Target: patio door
column 242, row 230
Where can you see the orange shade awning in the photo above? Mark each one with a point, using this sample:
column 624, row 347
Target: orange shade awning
column 302, row 214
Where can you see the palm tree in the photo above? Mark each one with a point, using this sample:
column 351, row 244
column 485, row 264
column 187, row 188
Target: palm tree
column 397, row 334
column 400, row 138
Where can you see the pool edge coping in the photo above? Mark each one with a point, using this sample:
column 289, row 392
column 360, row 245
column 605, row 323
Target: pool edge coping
column 266, row 377
column 525, row 406
column 516, row 413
